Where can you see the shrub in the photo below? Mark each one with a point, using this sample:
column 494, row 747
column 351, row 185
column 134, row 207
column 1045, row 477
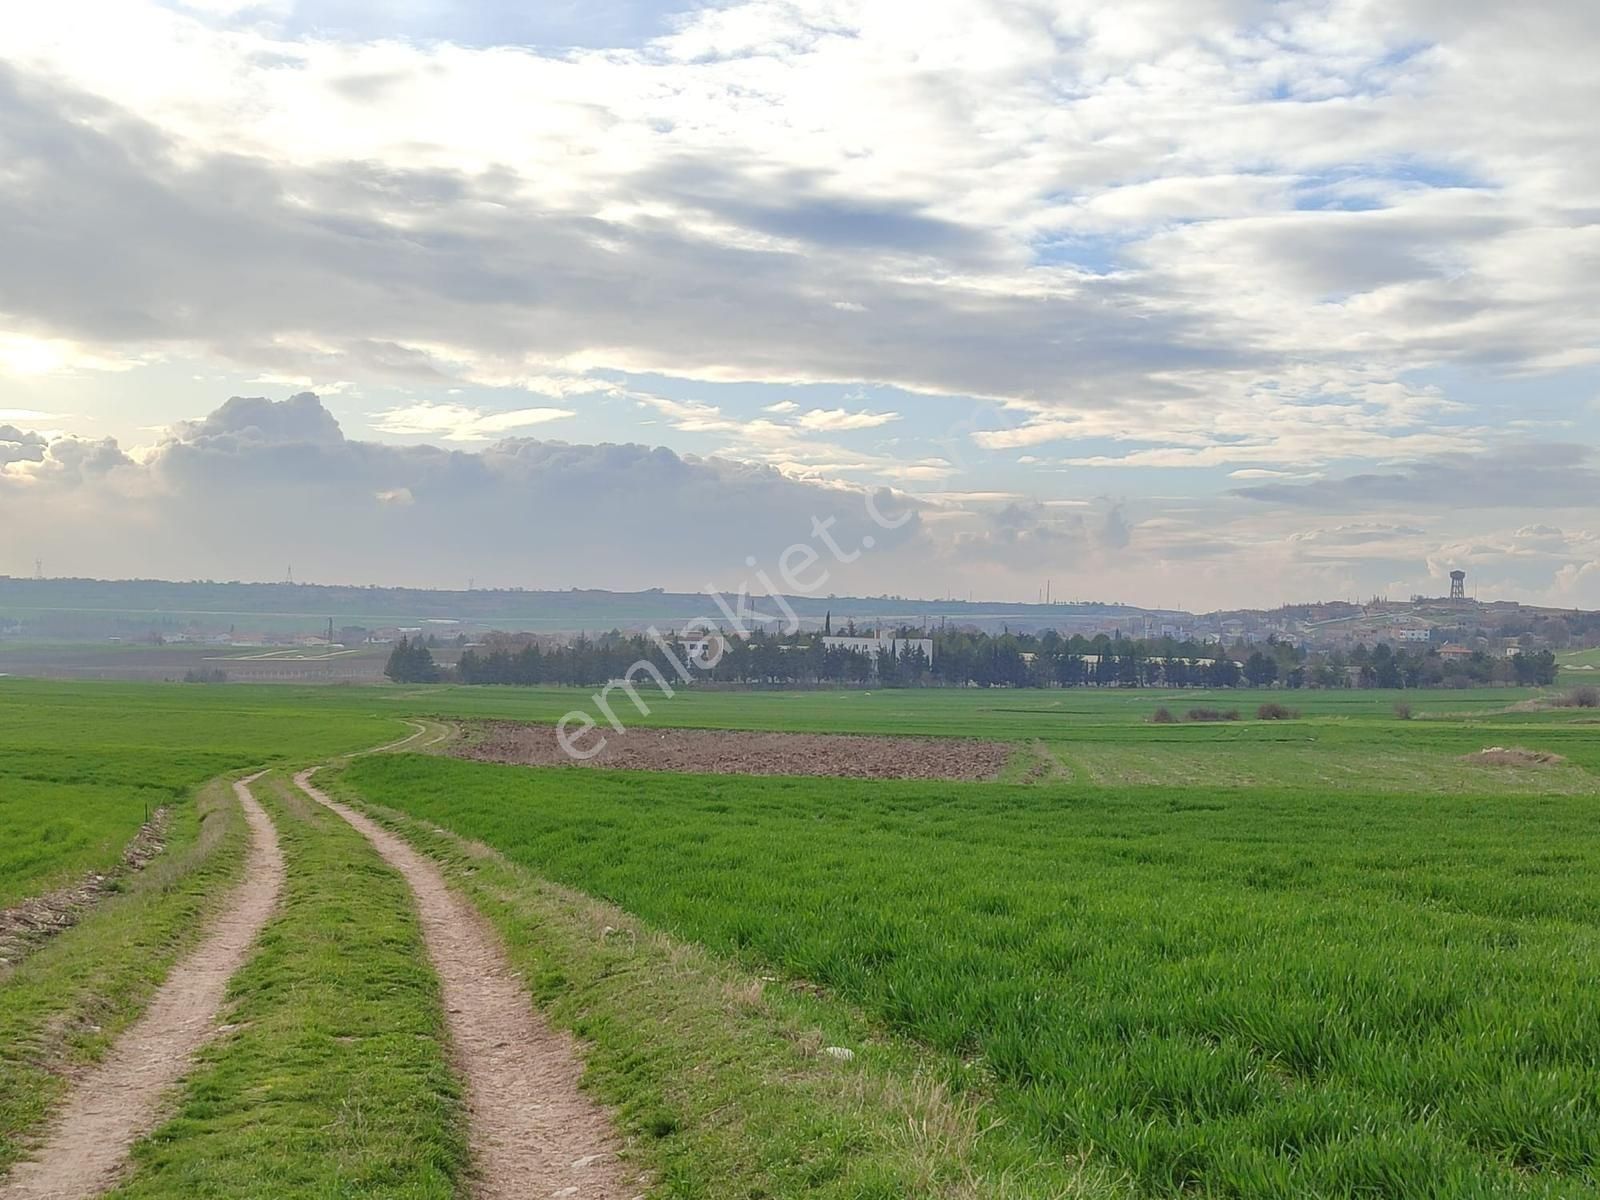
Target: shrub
column 1582, row 697
column 1213, row 714
column 1403, row 711
column 1277, row 712
column 1163, row 716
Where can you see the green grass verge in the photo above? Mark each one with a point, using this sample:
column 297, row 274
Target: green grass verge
column 1253, row 993
column 335, row 1081
column 65, row 1003
column 53, row 834
column 82, row 764
column 722, row 1079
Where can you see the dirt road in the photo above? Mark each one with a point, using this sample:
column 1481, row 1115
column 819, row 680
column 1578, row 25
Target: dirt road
column 533, row 1133
column 119, row 1100
column 427, row 735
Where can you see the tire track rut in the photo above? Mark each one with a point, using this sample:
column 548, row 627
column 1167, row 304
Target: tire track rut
column 120, row 1098
column 533, row 1132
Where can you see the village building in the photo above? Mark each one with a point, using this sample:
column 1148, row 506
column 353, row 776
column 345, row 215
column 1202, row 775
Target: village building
column 878, row 644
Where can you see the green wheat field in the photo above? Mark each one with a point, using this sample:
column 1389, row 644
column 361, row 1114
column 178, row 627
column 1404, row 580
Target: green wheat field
column 1327, row 956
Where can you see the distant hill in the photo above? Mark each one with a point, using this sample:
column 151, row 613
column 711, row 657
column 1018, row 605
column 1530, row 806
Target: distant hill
column 45, row 608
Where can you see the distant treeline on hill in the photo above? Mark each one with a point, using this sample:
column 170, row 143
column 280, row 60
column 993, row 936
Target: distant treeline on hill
column 491, row 607
column 964, row 658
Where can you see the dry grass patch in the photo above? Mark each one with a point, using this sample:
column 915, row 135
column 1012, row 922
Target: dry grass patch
column 1513, row 756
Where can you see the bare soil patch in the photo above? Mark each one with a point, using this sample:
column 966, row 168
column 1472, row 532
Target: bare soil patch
column 26, row 926
column 741, row 752
column 533, row 1132
column 1512, row 756
column 119, row 1100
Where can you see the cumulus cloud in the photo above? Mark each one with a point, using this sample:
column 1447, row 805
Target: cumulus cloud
column 256, row 420
column 1115, row 533
column 29, row 457
column 1030, row 536
column 260, row 480
column 17, row 445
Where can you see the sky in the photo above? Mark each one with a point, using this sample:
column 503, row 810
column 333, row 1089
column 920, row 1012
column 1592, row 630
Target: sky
column 1184, row 303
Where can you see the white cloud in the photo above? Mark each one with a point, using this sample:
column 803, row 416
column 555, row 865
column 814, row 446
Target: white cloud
column 248, row 482
column 1301, row 243
column 835, row 420
column 1248, row 473
column 459, row 423
column 921, row 471
column 788, row 444
column 1329, row 184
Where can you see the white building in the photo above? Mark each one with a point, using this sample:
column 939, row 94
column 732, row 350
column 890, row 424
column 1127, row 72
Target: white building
column 1411, row 635
column 875, row 646
column 703, row 650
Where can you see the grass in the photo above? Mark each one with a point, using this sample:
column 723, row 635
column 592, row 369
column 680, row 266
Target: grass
column 174, row 736
column 1343, row 740
column 1247, row 992
column 961, row 712
column 1351, row 736
column 334, row 1080
column 1311, row 957
column 81, row 765
column 720, row 1075
column 1435, row 768
column 1579, row 666
column 66, row 1002
column 52, row 833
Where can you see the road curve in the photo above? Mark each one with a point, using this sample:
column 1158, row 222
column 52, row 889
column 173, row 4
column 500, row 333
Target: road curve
column 119, row 1100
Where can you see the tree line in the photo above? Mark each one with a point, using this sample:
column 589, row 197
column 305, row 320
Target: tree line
column 964, row 658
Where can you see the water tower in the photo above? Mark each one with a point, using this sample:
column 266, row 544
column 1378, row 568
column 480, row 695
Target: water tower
column 1458, row 585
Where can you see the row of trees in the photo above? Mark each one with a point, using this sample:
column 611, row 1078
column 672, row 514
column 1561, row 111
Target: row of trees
column 964, row 658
